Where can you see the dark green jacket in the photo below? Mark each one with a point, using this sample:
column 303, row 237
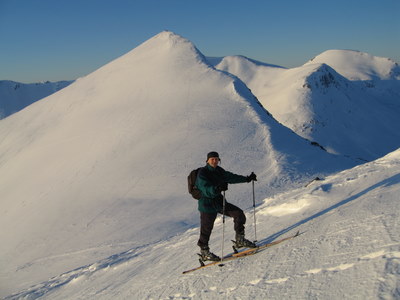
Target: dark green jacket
column 208, row 180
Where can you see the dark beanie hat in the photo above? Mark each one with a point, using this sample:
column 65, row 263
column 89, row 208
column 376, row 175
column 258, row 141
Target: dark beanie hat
column 212, row 154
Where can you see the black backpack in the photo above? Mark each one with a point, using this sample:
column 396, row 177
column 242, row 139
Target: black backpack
column 196, row 194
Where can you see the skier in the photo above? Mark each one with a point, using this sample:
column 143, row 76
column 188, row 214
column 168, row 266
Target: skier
column 212, row 180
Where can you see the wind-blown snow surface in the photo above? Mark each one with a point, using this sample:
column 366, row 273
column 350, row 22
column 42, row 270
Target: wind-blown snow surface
column 100, row 167
column 346, row 101
column 15, row 96
column 349, row 248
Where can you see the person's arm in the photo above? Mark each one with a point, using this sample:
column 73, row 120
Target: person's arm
column 230, row 177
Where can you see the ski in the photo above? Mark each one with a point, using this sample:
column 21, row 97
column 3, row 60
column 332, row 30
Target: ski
column 243, row 253
column 260, row 247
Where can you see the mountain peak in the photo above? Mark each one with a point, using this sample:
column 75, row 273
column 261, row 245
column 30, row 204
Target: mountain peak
column 357, row 65
column 170, row 40
column 324, row 77
column 163, row 50
column 169, row 37
column 320, row 102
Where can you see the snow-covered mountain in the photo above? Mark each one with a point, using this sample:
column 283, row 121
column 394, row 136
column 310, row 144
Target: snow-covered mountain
column 346, row 101
column 100, row 166
column 14, row 96
column 359, row 66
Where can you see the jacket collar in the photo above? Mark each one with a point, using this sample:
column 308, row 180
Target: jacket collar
column 210, row 168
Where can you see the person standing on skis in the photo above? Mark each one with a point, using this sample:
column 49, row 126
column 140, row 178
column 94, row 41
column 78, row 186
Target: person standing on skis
column 212, row 180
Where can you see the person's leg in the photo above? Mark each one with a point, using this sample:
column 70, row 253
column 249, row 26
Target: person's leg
column 206, row 227
column 207, row 224
column 239, row 218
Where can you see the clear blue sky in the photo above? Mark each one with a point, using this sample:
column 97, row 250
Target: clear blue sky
column 65, row 39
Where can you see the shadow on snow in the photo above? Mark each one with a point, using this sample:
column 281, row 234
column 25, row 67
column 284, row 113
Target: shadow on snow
column 395, row 179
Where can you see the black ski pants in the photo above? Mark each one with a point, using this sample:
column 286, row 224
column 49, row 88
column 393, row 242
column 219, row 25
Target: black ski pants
column 207, row 223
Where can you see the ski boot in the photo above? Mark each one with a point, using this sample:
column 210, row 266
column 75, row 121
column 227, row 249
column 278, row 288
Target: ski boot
column 205, row 254
column 242, row 242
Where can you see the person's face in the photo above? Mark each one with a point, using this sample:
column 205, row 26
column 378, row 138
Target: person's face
column 213, row 161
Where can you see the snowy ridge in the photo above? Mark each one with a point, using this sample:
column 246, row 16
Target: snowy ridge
column 356, row 65
column 14, row 96
column 311, row 100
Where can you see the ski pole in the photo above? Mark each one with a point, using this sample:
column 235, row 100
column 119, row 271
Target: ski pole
column 223, row 228
column 254, row 214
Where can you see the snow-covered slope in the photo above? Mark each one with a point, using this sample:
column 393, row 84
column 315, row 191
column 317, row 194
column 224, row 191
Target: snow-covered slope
column 101, row 166
column 349, row 248
column 354, row 118
column 14, row 96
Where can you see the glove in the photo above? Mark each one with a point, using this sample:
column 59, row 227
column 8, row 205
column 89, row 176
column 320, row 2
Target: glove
column 252, row 177
column 223, row 187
